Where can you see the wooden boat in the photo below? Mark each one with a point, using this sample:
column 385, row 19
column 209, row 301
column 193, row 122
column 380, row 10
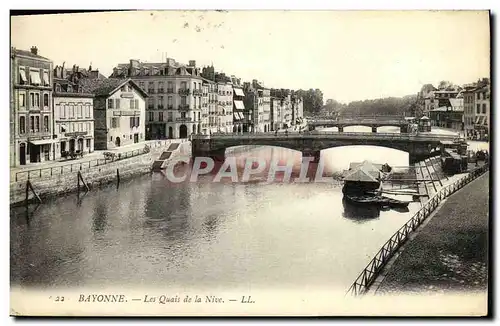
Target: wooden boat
column 377, row 200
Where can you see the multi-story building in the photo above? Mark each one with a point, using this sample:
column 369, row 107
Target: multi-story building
column 31, row 119
column 239, row 105
column 297, row 109
column 281, row 109
column 119, row 111
column 425, row 101
column 73, row 113
column 450, row 115
column 482, row 102
column 175, row 96
column 221, row 120
column 205, row 108
column 276, row 113
column 257, row 100
column 469, row 109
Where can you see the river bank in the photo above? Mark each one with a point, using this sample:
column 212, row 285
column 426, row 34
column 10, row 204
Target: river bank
column 451, row 252
column 93, row 176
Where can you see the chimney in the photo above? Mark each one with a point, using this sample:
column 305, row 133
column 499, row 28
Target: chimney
column 192, row 63
column 34, row 50
column 63, row 71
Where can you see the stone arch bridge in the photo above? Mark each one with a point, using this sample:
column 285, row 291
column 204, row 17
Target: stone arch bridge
column 418, row 147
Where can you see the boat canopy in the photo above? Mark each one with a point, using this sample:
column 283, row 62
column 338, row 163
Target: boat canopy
column 363, row 174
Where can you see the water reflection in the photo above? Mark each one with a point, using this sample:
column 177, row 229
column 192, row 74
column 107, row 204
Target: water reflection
column 360, row 213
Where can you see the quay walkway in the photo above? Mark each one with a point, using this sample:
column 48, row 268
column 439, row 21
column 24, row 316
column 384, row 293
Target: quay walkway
column 450, row 253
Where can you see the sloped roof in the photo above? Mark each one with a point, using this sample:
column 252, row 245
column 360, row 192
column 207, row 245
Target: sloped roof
column 103, row 87
column 28, row 54
column 366, row 163
column 457, row 104
column 362, row 175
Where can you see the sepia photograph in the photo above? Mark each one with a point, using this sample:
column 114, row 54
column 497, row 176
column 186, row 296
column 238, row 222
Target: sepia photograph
column 250, row 163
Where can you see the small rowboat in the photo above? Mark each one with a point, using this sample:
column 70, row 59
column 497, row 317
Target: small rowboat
column 377, row 200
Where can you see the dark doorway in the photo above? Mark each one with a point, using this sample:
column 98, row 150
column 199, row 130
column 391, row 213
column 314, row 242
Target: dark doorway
column 199, row 128
column 194, row 129
column 136, row 138
column 63, row 146
column 34, row 153
column 80, row 144
column 170, row 132
column 22, row 154
column 183, row 131
column 117, row 141
column 71, row 145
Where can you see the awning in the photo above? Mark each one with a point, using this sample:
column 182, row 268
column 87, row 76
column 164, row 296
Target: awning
column 41, row 141
column 238, row 92
column 241, row 115
column 35, row 77
column 477, row 119
column 481, row 120
column 22, row 74
column 239, row 105
column 46, row 78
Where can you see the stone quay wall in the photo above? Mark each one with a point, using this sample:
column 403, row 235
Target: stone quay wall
column 95, row 176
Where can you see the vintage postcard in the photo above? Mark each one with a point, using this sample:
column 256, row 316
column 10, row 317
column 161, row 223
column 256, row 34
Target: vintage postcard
column 250, row 163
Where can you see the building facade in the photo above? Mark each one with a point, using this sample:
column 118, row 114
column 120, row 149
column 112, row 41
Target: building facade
column 73, row 115
column 31, row 118
column 174, row 105
column 119, row 111
column 482, row 114
column 258, row 101
column 239, row 105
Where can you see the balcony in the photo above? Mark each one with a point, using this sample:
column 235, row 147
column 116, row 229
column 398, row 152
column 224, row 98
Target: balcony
column 183, row 107
column 170, row 107
column 160, row 107
column 184, row 91
column 160, row 90
column 32, row 135
column 185, row 119
column 170, row 91
column 151, row 106
column 197, row 92
column 151, row 91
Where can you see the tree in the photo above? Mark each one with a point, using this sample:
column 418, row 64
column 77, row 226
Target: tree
column 313, row 100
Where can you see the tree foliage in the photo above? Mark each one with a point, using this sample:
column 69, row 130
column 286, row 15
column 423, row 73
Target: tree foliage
column 313, row 100
column 382, row 106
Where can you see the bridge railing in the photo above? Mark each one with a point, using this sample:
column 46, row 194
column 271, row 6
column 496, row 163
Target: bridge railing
column 366, row 278
column 317, row 134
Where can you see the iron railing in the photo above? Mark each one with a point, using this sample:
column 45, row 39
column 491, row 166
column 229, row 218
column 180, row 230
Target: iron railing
column 50, row 172
column 366, row 278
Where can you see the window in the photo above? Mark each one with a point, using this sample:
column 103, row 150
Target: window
column 58, row 88
column 160, row 101
column 169, row 100
column 37, row 123
column 22, row 100
column 124, row 88
column 46, row 78
column 62, row 111
column 87, row 111
column 32, row 124
column 115, row 123
column 136, row 104
column 183, row 85
column 132, row 121
column 169, row 116
column 87, row 143
column 151, row 103
column 478, row 96
column 151, row 87
column 35, row 77
column 478, row 109
column 117, row 103
column 183, row 100
column 45, row 100
column 137, row 121
column 484, row 108
column 79, row 111
column 22, row 75
column 141, row 85
column 22, row 124
column 110, row 103
column 46, row 123
column 183, row 115
column 160, row 116
column 132, row 102
column 151, row 116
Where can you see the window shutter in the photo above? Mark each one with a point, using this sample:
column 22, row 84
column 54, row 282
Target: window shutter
column 117, row 105
column 138, row 120
column 136, row 104
column 132, row 102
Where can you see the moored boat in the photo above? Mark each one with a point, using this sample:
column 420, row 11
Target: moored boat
column 377, row 200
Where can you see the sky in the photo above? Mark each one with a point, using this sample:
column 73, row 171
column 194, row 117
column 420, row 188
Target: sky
column 349, row 55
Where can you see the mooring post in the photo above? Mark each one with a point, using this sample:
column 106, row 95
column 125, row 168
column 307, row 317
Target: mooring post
column 117, row 176
column 27, row 192
column 78, row 181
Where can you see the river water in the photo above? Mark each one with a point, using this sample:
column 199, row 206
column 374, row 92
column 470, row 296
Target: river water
column 149, row 232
